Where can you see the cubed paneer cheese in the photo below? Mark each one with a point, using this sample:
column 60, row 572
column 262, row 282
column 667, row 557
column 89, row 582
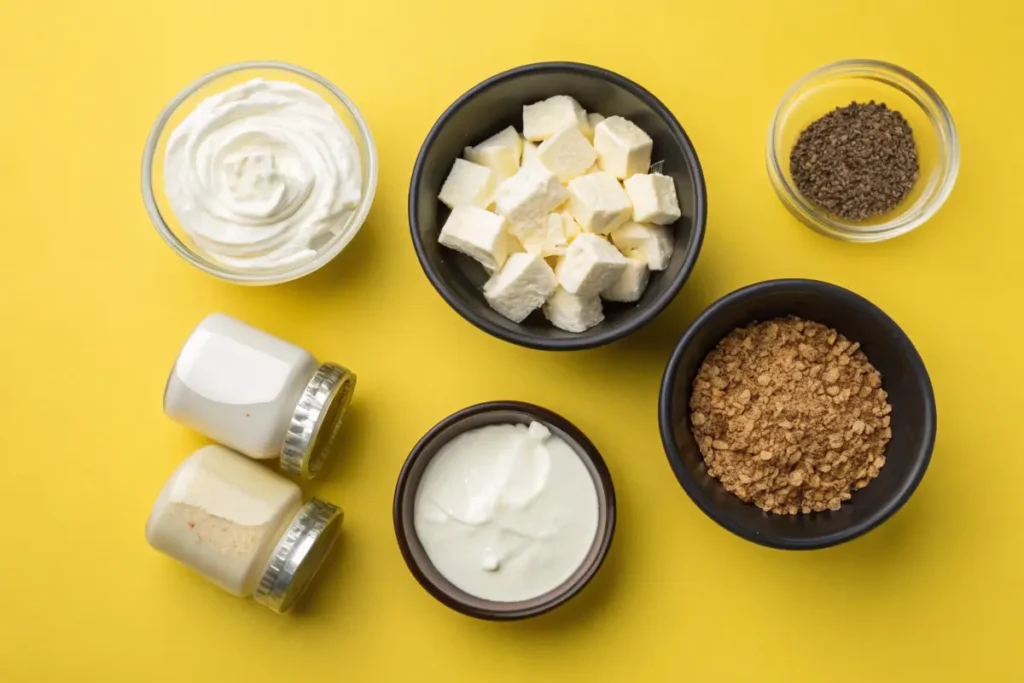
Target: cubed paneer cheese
column 547, row 238
column 567, row 154
column 570, row 228
column 573, row 313
column 590, row 266
column 529, row 152
column 631, row 284
column 652, row 243
column 543, row 119
column 522, row 286
column 500, row 152
column 528, row 196
column 468, row 184
column 593, row 118
column 654, row 198
column 598, row 202
column 477, row 233
column 622, row 148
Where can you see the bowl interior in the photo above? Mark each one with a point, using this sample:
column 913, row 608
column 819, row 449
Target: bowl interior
column 837, row 86
column 408, row 484
column 216, row 82
column 498, row 103
column 903, row 376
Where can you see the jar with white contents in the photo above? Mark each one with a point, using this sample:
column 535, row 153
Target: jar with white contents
column 259, row 395
column 243, row 527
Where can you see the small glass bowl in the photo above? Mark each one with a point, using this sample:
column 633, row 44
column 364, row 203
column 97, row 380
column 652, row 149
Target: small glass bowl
column 159, row 208
column 860, row 80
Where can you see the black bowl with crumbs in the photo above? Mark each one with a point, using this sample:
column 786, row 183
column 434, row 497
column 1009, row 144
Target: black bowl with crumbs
column 904, row 377
column 497, row 103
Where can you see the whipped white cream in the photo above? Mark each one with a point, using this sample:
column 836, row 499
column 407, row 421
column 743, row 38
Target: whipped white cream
column 262, row 175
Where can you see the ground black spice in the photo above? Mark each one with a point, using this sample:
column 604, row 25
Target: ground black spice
column 856, row 161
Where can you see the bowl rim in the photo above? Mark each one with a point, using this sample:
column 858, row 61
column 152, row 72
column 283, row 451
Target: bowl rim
column 403, row 489
column 844, row 297
column 891, row 75
column 583, row 340
column 258, row 277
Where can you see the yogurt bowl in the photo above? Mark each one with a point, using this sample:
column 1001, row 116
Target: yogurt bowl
column 530, row 526
column 259, row 172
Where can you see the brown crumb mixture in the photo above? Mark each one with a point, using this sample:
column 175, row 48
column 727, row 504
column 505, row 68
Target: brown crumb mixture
column 790, row 415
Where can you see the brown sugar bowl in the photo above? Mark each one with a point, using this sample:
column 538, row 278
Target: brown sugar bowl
column 887, row 347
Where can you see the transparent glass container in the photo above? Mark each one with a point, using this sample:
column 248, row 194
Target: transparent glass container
column 838, row 84
column 158, row 205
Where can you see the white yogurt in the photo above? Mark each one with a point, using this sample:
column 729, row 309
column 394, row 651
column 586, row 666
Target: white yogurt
column 262, row 174
column 506, row 512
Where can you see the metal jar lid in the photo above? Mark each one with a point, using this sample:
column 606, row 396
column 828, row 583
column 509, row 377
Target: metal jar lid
column 316, row 419
column 299, row 555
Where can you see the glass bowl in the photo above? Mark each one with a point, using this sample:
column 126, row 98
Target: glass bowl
column 158, row 205
column 838, row 84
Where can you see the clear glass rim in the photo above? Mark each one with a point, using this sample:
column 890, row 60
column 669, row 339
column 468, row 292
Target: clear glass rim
column 258, row 277
column 925, row 97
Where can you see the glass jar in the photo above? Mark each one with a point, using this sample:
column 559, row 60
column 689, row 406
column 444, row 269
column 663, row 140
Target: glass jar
column 258, row 394
column 242, row 527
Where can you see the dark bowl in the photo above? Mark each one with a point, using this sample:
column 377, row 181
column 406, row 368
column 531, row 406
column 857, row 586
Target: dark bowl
column 499, row 412
column 904, row 377
column 498, row 103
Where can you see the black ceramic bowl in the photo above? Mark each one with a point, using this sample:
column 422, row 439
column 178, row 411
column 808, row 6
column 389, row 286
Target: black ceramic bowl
column 499, row 412
column 903, row 376
column 498, row 103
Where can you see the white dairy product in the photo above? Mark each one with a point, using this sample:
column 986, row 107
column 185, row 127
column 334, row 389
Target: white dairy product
column 590, row 265
column 478, row 233
column 547, row 238
column 567, row 154
column 529, row 152
column 505, row 512
column 529, row 195
column 573, row 313
column 468, row 184
column 631, row 284
column 242, row 527
column 623, row 149
column 598, row 202
column 257, row 394
column 222, row 514
column 593, row 118
column 500, row 152
column 652, row 243
column 522, row 285
column 261, row 174
column 653, row 197
column 543, row 119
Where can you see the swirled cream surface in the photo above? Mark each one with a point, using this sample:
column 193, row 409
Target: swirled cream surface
column 506, row 512
column 262, row 174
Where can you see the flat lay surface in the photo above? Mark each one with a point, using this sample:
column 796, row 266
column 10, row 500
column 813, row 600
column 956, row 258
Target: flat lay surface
column 96, row 307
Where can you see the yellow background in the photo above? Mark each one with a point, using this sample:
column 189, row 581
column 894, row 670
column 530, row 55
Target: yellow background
column 94, row 307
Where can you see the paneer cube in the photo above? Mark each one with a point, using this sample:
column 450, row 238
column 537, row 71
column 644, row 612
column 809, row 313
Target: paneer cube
column 477, row 233
column 573, row 313
column 500, row 152
column 590, row 266
column 593, row 118
column 631, row 284
column 570, row 228
column 654, row 198
column 528, row 196
column 567, row 154
column 598, row 202
column 522, row 286
column 543, row 119
column 652, row 243
column 529, row 152
column 623, row 149
column 468, row 184
column 547, row 238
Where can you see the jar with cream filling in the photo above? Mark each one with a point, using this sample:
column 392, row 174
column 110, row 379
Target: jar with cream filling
column 242, row 527
column 258, row 394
